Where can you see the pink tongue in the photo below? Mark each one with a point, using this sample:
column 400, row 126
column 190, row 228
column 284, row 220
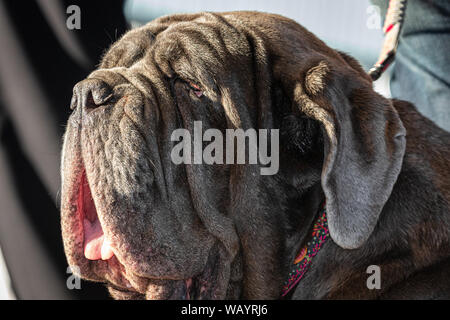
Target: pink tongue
column 96, row 247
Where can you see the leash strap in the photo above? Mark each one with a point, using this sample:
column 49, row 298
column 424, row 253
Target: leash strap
column 392, row 27
column 302, row 262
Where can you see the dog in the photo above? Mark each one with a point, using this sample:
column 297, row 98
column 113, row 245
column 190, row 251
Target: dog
column 152, row 229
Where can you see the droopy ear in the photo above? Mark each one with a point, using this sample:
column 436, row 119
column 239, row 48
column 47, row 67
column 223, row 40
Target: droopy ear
column 364, row 144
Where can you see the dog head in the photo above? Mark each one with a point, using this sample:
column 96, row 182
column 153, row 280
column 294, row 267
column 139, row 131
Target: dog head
column 152, row 228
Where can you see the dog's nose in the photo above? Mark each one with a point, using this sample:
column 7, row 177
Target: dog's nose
column 89, row 94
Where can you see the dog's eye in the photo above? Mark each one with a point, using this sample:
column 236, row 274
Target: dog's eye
column 196, row 89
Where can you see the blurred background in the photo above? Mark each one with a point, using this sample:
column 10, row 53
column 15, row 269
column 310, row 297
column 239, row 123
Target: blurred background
column 40, row 61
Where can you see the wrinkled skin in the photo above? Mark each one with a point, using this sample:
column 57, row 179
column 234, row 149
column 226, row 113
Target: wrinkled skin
column 225, row 231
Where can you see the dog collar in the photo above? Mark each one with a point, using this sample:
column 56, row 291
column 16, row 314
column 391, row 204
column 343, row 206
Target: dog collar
column 303, row 260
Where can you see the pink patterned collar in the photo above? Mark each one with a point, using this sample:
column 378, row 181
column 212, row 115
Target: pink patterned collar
column 302, row 262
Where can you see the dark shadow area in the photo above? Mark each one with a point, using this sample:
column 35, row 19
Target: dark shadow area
column 36, row 59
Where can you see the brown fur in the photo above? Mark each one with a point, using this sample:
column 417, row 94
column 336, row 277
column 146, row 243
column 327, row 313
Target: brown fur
column 382, row 168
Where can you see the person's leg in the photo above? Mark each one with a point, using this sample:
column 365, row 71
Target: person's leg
column 421, row 72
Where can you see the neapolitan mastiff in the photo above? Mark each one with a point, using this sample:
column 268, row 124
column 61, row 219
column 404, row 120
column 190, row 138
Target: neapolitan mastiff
column 152, row 229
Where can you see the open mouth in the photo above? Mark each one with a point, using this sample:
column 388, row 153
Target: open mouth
column 96, row 245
